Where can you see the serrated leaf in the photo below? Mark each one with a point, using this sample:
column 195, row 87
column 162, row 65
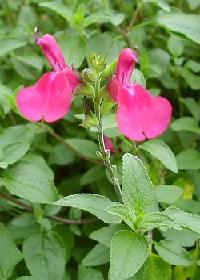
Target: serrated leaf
column 123, row 212
column 45, row 255
column 9, row 253
column 137, row 189
column 173, row 253
column 32, row 179
column 99, row 255
column 129, row 251
column 184, row 219
column 162, row 152
column 188, row 159
column 185, row 24
column 93, row 203
column 168, row 193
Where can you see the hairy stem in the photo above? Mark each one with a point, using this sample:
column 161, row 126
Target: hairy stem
column 105, row 154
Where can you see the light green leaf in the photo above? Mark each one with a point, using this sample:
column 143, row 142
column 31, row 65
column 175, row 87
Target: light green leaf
column 168, row 193
column 99, row 255
column 186, row 237
column 186, row 124
column 137, row 189
column 192, row 79
column 8, row 45
column 9, row 254
column 28, row 278
column 123, row 212
column 192, row 106
column 138, row 78
column 193, row 4
column 157, row 220
column 60, row 9
column 160, row 3
column 162, row 152
column 6, row 100
column 193, row 65
column 31, row 179
column 61, row 155
column 188, row 159
column 175, row 46
column 14, row 144
column 129, row 251
column 92, row 175
column 105, row 234
column 85, row 273
column 85, row 148
column 184, row 219
column 45, row 255
column 93, row 203
column 173, row 253
column 103, row 17
column 185, row 24
column 27, row 17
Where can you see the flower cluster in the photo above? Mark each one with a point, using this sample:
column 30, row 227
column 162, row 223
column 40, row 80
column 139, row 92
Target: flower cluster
column 139, row 115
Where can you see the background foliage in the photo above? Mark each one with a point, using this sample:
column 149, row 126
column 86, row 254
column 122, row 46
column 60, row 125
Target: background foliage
column 40, row 164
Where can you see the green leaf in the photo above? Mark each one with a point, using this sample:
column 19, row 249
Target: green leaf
column 184, row 219
column 99, row 255
column 192, row 106
column 138, row 78
column 191, row 79
column 185, row 24
column 123, row 212
column 193, row 65
column 129, row 251
column 103, row 17
column 173, row 253
column 175, row 46
column 160, row 3
column 93, row 203
column 27, row 17
column 157, row 220
column 168, row 193
column 193, row 4
column 186, row 124
column 162, row 152
column 58, row 8
column 186, row 237
column 92, row 175
column 61, row 155
column 137, row 189
column 9, row 254
column 27, row 278
column 85, row 148
column 9, row 45
column 6, row 100
column 31, row 179
column 74, row 49
column 45, row 255
column 14, row 144
column 85, row 273
column 188, row 159
column 154, row 269
column 105, row 234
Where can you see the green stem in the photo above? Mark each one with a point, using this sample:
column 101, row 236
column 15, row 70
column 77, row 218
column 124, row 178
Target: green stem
column 105, row 154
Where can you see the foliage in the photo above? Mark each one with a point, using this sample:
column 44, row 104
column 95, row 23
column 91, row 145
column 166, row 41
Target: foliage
column 64, row 215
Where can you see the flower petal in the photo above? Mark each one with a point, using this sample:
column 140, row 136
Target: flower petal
column 141, row 115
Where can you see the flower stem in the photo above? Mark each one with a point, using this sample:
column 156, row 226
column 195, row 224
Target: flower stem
column 105, row 154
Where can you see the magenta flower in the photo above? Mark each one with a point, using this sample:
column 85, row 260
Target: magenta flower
column 108, row 144
column 50, row 98
column 140, row 115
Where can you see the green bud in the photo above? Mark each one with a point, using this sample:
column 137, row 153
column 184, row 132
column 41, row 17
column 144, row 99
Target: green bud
column 89, row 76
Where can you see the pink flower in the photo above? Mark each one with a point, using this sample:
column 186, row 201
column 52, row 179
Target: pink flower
column 50, row 98
column 108, row 144
column 139, row 115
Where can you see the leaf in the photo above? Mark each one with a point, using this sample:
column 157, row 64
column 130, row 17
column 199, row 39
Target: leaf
column 193, row 65
column 137, row 189
column 157, row 220
column 129, row 251
column 105, row 234
column 9, row 254
column 8, row 45
column 186, row 237
column 192, row 106
column 74, row 49
column 184, row 219
column 14, row 144
column 123, row 212
column 168, row 193
column 58, row 8
column 175, row 46
column 186, row 124
column 173, row 253
column 27, row 17
column 162, row 152
column 160, row 3
column 138, row 78
column 99, row 255
column 92, row 175
column 85, row 148
column 103, row 17
column 6, row 100
column 45, row 255
column 193, row 4
column 191, row 79
column 93, row 203
column 61, row 155
column 185, row 24
column 31, row 179
column 85, row 273
column 188, row 159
